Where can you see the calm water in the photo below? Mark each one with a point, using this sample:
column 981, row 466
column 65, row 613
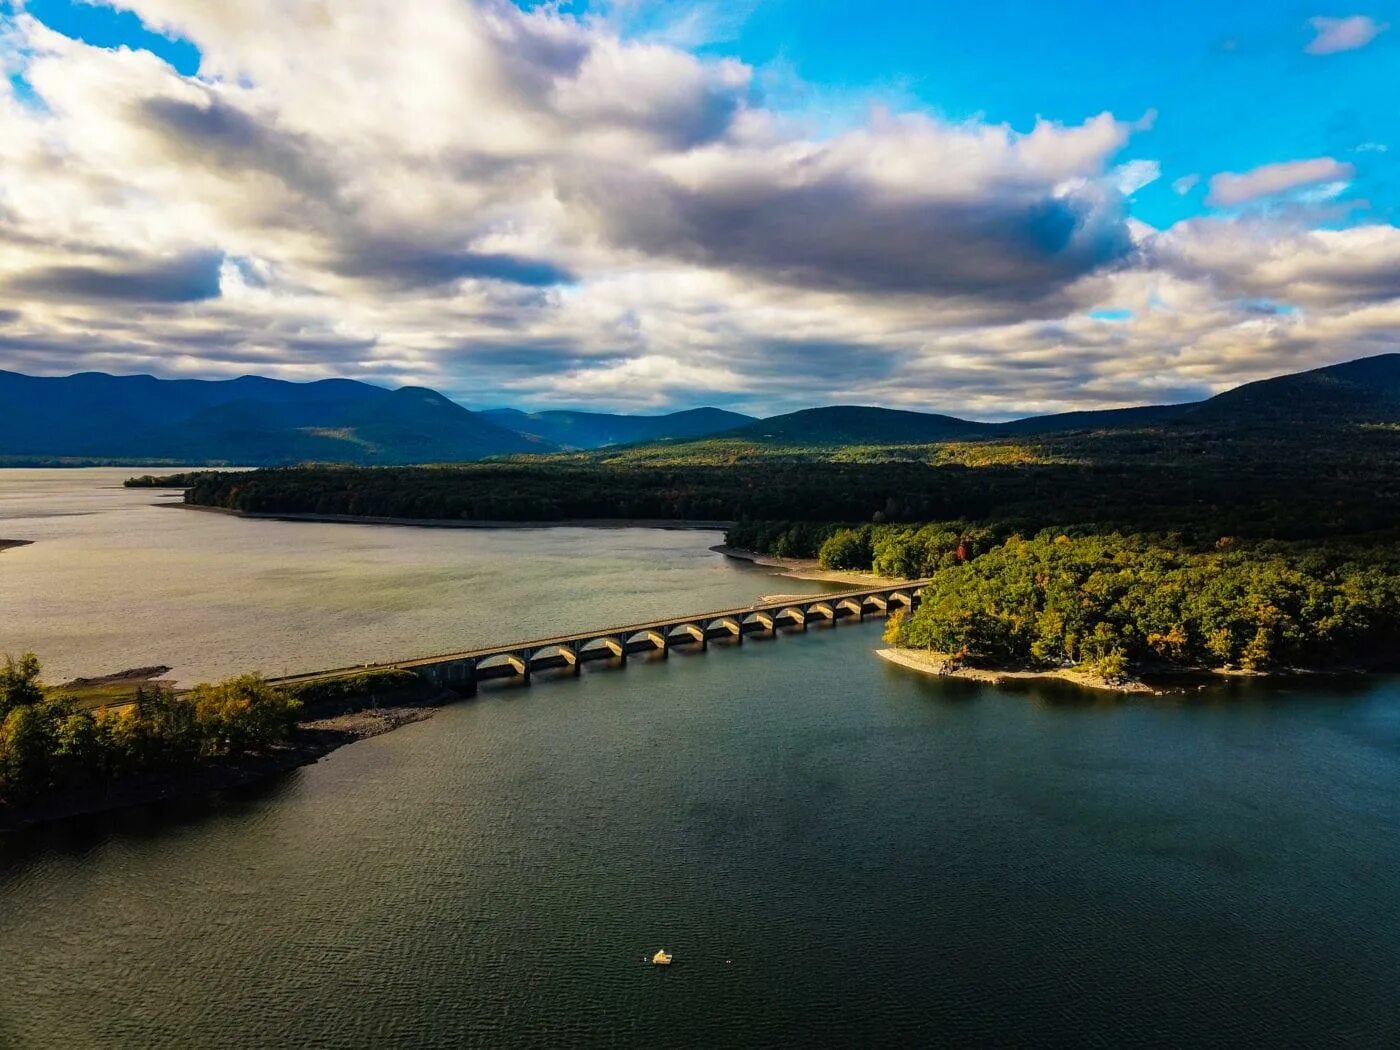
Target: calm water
column 837, row 852
column 113, row 580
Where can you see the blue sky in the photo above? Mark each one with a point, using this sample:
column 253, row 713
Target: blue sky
column 653, row 204
column 1230, row 84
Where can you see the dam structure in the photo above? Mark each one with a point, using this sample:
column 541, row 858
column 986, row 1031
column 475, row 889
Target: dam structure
column 461, row 671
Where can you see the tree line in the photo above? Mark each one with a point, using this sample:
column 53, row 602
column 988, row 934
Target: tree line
column 48, row 744
column 1313, row 482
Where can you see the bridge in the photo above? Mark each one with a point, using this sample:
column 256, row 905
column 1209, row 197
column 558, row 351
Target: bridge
column 463, row 670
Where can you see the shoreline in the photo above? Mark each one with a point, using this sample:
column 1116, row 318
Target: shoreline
column 794, row 568
column 805, row 568
column 312, row 740
column 1161, row 682
column 677, row 524
column 937, row 665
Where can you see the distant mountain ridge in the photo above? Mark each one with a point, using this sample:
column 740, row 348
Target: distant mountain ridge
column 249, row 420
column 589, row 430
column 257, row 421
column 855, row 425
column 1364, row 390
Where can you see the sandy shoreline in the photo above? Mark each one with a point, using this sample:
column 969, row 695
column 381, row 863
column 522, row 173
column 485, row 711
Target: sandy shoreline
column 936, row 664
column 455, row 523
column 806, row 568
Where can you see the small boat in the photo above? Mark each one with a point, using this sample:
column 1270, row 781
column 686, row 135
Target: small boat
column 661, row 958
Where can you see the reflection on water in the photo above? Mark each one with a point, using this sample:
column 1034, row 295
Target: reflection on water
column 837, row 851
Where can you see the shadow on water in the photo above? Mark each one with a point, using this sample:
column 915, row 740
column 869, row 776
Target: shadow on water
column 87, row 833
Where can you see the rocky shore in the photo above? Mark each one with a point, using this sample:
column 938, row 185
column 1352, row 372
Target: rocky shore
column 940, row 665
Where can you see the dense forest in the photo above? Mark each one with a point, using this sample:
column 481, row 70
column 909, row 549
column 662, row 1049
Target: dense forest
column 1114, row 603
column 49, row 745
column 1276, row 483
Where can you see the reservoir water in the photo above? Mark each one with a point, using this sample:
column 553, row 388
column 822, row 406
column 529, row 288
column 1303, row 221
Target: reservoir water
column 837, row 851
column 114, row 579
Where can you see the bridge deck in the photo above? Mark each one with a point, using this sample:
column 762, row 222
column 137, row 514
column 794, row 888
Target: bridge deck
column 621, row 630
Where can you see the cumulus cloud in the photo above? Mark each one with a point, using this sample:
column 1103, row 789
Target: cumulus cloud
column 1342, row 34
column 521, row 206
column 1311, row 268
column 182, row 279
column 908, row 206
column 1268, row 180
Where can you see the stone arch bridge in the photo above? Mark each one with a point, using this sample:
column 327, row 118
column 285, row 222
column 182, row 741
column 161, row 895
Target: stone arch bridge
column 463, row 670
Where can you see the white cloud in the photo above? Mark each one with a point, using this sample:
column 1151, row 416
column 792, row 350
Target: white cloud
column 519, row 206
column 1342, row 34
column 1186, row 184
column 1261, row 259
column 1136, row 174
column 1231, row 188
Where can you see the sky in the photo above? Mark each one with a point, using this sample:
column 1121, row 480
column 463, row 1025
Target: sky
column 990, row 210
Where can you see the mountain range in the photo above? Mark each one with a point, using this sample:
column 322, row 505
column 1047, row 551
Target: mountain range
column 1365, row 390
column 257, row 421
column 588, row 430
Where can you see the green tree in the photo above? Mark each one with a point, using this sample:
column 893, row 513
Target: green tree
column 19, row 683
column 846, row 549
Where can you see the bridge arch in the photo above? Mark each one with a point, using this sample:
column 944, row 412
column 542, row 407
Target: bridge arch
column 517, row 662
column 765, row 620
column 612, row 644
column 655, row 635
column 794, row 614
column 854, row 606
column 558, row 650
column 732, row 624
column 683, row 630
column 822, row 609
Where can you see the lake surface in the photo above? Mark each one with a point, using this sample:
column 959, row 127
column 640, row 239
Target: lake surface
column 837, row 851
column 114, row 580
